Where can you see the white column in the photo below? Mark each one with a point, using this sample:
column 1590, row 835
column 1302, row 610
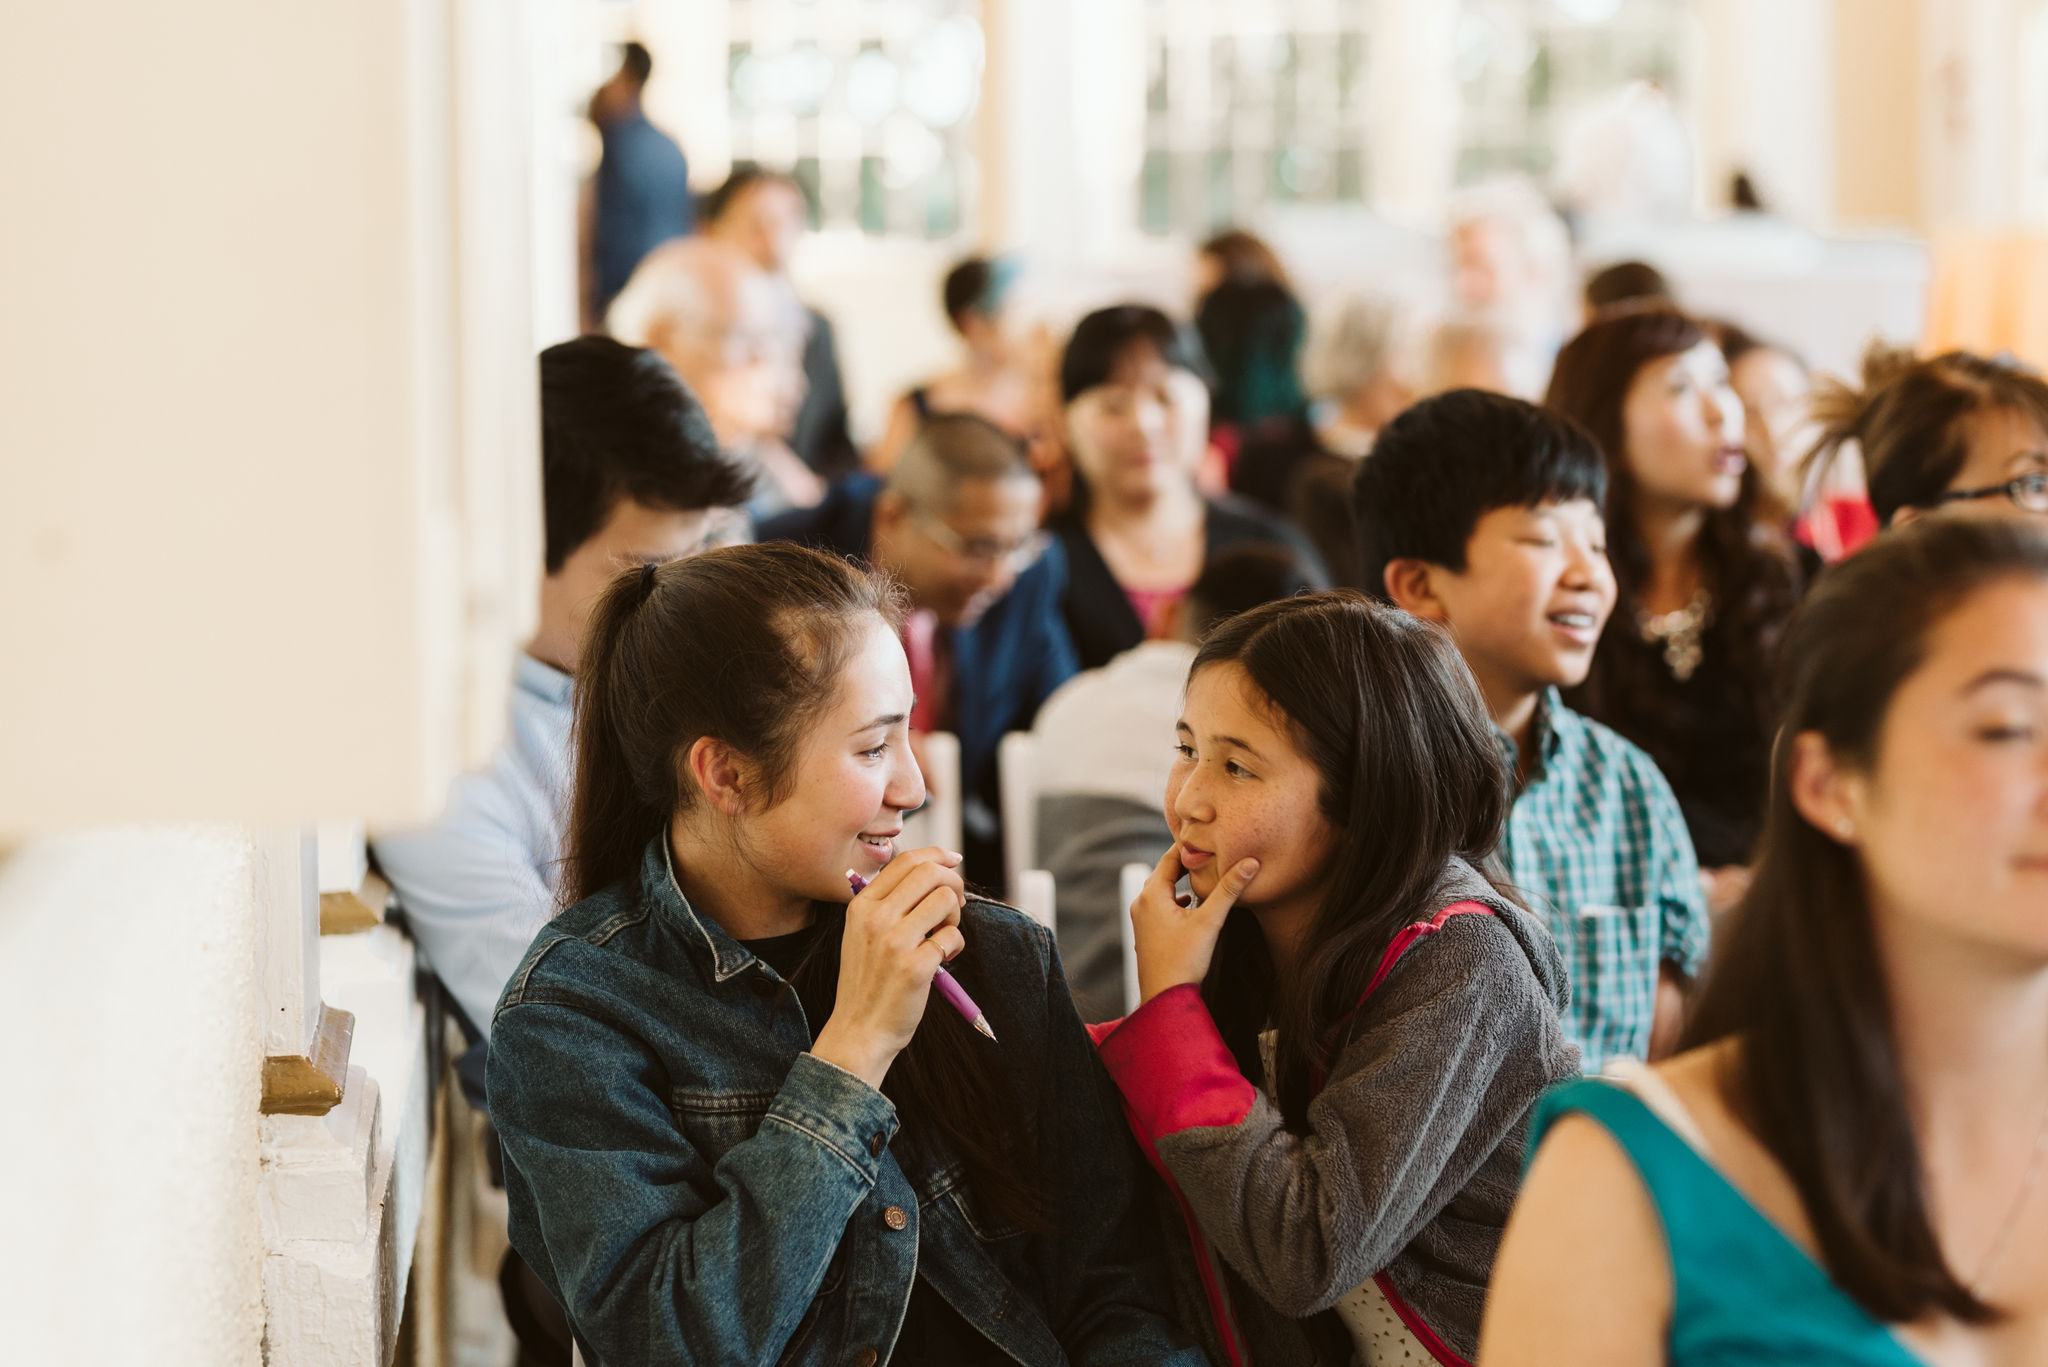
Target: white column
column 1413, row 98
column 1764, row 103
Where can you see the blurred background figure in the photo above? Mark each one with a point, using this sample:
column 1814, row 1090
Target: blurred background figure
column 1139, row 529
column 1624, row 283
column 1360, row 371
column 1704, row 567
column 993, row 380
column 1961, row 433
column 1235, row 257
column 763, row 214
column 1252, row 333
column 1831, row 513
column 1626, row 163
column 1511, row 261
column 1483, row 351
column 735, row 333
column 640, row 196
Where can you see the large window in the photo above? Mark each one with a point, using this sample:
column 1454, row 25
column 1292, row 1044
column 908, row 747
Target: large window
column 869, row 103
column 1250, row 105
column 1525, row 67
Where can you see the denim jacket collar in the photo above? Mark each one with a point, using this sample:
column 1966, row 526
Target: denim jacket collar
column 729, row 958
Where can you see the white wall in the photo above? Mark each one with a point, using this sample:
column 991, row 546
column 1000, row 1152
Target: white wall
column 261, row 439
column 128, row 1003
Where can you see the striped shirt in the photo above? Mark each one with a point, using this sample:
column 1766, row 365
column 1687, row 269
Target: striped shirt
column 1597, row 846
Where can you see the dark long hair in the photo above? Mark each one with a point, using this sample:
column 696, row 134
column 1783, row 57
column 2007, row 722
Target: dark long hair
column 1410, row 775
column 746, row 645
column 1252, row 334
column 1745, row 551
column 1909, row 419
column 1797, row 977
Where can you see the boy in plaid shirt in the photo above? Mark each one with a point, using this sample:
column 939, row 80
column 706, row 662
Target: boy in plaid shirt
column 1483, row 513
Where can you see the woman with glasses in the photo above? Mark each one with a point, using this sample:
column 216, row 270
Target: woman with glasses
column 1704, row 563
column 1136, row 419
column 1958, row 432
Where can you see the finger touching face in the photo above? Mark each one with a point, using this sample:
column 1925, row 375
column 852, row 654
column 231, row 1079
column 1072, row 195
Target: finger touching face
column 1241, row 789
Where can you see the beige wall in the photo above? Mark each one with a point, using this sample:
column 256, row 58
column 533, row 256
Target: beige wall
column 1877, row 113
column 270, row 519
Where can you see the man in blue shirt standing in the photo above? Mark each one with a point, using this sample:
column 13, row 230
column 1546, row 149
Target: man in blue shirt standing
column 642, row 194
column 631, row 474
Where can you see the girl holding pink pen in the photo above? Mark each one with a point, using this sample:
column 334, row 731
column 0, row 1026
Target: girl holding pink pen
column 738, row 1123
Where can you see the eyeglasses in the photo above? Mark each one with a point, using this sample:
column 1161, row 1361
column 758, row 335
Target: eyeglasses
column 1015, row 556
column 2028, row 491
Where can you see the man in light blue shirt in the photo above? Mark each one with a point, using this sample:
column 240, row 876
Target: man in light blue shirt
column 631, row 475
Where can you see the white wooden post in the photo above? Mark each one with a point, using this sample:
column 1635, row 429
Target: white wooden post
column 1017, row 772
column 1131, row 882
column 938, row 821
column 1034, row 894
column 305, row 1044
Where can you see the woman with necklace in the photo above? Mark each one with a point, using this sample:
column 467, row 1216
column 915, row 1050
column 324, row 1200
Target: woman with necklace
column 1705, row 569
column 1139, row 531
column 1847, row 1162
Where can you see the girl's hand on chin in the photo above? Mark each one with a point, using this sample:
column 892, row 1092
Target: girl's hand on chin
column 899, row 930
column 1175, row 935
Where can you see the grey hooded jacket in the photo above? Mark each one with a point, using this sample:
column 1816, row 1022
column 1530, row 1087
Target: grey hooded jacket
column 1413, row 1150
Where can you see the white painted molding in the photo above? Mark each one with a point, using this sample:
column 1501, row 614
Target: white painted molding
column 1131, row 882
column 287, row 900
column 1036, row 897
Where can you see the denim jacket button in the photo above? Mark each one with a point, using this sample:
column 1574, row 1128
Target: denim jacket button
column 877, row 1144
column 866, row 1357
column 895, row 1219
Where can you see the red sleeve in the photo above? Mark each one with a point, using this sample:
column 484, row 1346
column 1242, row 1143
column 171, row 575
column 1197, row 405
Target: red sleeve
column 1173, row 1068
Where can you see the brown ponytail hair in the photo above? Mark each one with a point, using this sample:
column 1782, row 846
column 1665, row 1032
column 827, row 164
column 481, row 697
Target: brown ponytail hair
column 1797, row 978
column 1910, row 420
column 745, row 644
column 1410, row 774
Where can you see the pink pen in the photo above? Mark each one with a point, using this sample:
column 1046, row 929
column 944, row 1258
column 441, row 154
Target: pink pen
column 948, row 985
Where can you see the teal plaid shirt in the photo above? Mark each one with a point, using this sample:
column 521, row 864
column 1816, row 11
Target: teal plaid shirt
column 1596, row 844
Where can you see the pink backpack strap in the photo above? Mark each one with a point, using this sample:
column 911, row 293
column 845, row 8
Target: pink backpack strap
column 1403, row 941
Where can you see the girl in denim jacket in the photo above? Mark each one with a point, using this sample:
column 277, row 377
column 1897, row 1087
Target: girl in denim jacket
column 1339, row 1045
column 738, row 1125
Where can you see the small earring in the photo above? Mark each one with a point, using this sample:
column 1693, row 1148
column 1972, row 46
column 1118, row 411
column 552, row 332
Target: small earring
column 1845, row 828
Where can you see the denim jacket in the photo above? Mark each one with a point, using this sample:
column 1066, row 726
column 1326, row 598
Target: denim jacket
column 696, row 1188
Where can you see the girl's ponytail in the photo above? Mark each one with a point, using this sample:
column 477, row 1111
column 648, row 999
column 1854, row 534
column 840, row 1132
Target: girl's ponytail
column 615, row 808
column 746, row 645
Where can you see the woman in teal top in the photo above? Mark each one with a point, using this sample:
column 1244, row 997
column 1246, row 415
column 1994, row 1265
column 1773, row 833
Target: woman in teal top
column 1848, row 1162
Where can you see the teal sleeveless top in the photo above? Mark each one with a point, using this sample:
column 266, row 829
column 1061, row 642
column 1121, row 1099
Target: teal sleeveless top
column 1743, row 1295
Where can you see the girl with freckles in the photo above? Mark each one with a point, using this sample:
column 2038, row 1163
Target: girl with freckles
column 1343, row 1028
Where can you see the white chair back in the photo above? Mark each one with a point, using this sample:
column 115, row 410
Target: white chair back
column 1131, row 881
column 938, row 821
column 1017, row 775
column 1033, row 893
